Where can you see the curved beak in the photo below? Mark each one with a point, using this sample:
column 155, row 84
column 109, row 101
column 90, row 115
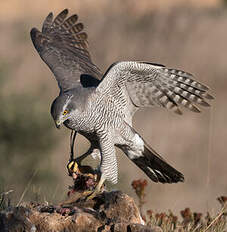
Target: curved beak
column 58, row 124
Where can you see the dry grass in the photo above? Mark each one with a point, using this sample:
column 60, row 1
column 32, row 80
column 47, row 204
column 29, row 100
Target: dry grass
column 189, row 221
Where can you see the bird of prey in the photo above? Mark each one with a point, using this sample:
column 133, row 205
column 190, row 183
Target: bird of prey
column 101, row 106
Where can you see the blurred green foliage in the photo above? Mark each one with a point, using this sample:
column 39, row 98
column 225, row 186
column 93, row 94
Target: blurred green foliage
column 26, row 142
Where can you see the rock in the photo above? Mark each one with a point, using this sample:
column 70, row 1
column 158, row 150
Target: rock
column 108, row 211
column 119, row 208
column 124, row 227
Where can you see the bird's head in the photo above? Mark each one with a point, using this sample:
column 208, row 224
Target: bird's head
column 62, row 108
column 70, row 104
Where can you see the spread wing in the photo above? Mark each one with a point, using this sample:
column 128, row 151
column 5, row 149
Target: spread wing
column 63, row 46
column 139, row 84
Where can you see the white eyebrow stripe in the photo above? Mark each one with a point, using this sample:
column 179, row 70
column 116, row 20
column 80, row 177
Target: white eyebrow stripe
column 67, row 101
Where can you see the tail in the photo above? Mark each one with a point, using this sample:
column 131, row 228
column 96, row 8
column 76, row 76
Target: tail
column 156, row 168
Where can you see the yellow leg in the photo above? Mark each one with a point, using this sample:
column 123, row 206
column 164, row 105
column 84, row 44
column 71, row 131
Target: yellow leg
column 72, row 167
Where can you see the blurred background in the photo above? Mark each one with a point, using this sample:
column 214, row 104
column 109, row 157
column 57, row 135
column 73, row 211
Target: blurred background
column 184, row 34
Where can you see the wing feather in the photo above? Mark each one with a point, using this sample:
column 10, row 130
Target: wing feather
column 47, row 22
column 147, row 84
column 70, row 21
column 59, row 19
column 63, row 46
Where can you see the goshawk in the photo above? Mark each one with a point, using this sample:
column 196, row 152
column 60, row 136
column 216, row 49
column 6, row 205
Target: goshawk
column 101, row 106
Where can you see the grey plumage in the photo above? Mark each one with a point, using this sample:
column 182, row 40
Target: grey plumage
column 102, row 110
column 63, row 46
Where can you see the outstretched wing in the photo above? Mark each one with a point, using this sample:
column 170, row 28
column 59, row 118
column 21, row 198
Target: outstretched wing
column 140, row 84
column 63, row 46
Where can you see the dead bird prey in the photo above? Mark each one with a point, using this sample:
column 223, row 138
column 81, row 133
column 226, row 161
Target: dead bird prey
column 101, row 107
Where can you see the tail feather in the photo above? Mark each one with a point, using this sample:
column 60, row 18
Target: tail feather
column 156, row 168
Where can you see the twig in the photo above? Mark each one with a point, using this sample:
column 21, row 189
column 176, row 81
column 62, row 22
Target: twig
column 27, row 187
column 6, row 193
column 3, row 196
column 214, row 221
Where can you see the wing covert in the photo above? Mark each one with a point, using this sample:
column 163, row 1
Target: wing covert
column 63, row 46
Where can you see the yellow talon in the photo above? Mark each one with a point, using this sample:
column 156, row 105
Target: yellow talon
column 72, row 167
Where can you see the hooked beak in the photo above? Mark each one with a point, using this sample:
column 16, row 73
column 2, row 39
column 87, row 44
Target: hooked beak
column 58, row 124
